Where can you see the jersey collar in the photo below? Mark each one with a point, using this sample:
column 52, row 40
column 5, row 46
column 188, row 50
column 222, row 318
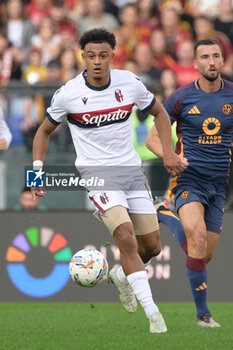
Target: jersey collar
column 95, row 87
column 197, row 86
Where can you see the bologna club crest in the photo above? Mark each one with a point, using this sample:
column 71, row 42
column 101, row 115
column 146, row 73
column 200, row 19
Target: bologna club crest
column 104, row 198
column 118, row 95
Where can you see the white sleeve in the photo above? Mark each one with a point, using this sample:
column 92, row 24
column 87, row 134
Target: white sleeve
column 57, row 110
column 4, row 130
column 144, row 100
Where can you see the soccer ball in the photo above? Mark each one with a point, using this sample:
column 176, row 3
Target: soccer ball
column 88, row 268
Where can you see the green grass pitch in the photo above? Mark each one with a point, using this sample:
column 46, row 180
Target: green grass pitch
column 106, row 326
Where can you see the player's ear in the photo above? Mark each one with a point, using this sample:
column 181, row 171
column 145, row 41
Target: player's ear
column 195, row 64
column 222, row 60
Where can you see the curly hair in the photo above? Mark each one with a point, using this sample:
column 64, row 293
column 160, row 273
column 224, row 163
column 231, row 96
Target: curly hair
column 97, row 35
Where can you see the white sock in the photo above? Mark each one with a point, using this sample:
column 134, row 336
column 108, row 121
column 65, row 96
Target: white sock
column 140, row 285
column 121, row 275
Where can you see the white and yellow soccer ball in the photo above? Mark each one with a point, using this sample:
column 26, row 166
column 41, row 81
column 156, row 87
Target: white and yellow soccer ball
column 88, row 268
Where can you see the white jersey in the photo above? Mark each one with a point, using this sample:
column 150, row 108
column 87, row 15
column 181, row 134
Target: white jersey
column 4, row 130
column 100, row 118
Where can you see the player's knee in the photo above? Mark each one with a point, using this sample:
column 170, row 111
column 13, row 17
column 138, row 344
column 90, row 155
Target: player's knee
column 198, row 243
column 125, row 239
column 155, row 250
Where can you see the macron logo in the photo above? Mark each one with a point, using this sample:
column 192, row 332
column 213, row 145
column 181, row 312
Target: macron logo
column 84, row 99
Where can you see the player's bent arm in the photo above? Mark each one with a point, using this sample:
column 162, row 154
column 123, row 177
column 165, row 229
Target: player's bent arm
column 172, row 162
column 163, row 126
column 153, row 142
column 41, row 140
column 39, row 149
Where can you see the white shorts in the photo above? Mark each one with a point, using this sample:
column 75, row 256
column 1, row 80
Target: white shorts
column 137, row 202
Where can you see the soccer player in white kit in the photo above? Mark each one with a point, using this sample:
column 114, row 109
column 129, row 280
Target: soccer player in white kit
column 98, row 105
column 5, row 134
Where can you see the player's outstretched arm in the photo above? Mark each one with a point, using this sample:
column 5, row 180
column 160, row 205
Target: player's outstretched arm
column 153, row 142
column 40, row 146
column 172, row 162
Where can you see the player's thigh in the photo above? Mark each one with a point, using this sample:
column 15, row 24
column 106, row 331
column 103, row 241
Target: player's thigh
column 116, row 216
column 145, row 222
column 212, row 242
column 192, row 217
column 146, row 228
column 118, row 222
column 143, row 215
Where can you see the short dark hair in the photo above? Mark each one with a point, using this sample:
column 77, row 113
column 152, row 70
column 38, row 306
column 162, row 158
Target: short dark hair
column 97, row 35
column 206, row 42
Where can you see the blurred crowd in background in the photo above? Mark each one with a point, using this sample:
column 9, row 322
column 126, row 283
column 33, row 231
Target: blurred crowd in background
column 39, row 42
